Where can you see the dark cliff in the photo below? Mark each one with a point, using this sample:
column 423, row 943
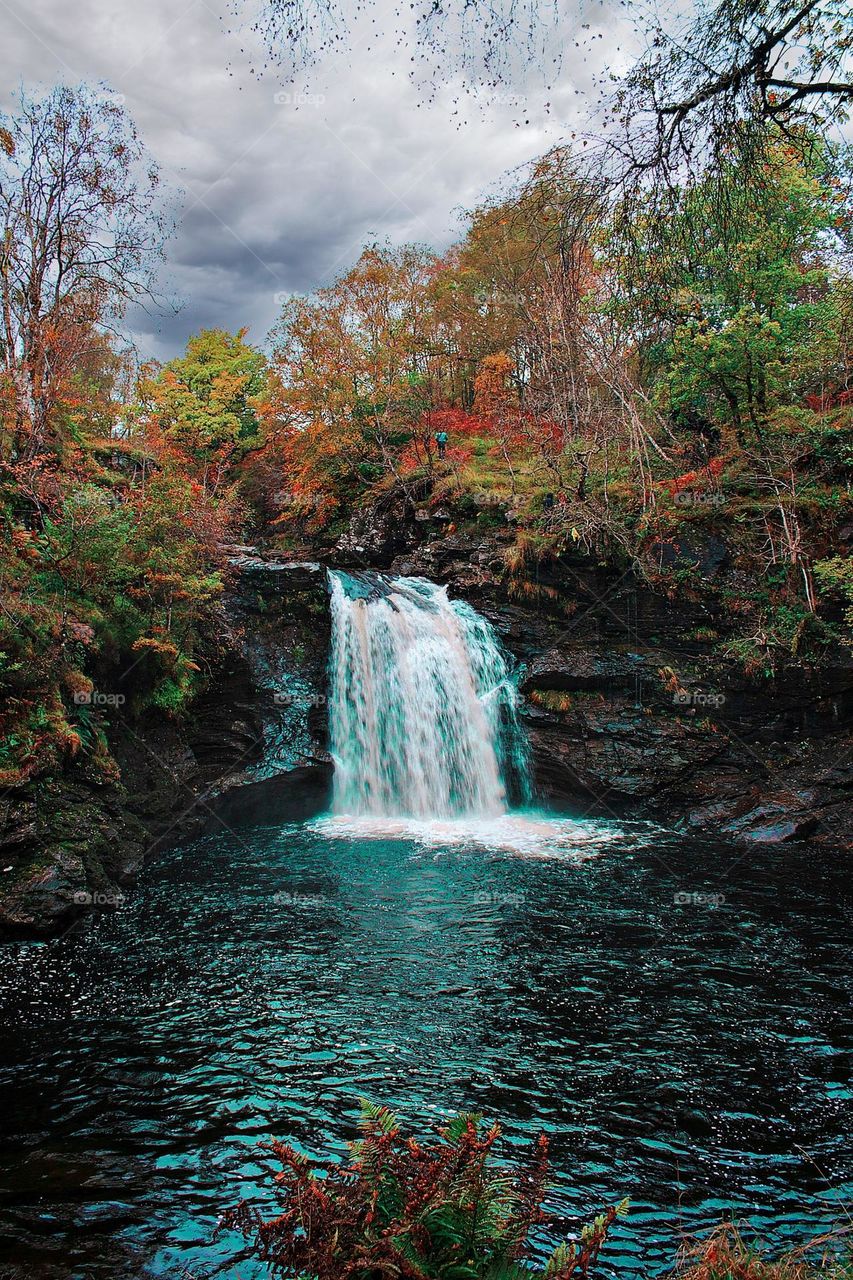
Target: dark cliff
column 251, row 747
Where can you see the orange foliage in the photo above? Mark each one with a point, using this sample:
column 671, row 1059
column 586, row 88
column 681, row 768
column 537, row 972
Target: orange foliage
column 693, row 479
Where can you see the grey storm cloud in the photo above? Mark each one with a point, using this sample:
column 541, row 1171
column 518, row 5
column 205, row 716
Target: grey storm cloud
column 277, row 185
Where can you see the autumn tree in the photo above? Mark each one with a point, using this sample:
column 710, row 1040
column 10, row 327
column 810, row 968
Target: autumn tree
column 703, row 72
column 80, row 240
column 360, row 363
column 535, row 255
column 205, row 405
column 496, row 400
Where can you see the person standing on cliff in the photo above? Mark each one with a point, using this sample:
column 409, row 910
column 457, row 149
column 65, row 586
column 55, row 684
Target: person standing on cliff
column 441, row 441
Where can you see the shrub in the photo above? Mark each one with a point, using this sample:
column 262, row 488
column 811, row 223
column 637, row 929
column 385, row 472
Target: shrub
column 435, row 1211
column 835, row 576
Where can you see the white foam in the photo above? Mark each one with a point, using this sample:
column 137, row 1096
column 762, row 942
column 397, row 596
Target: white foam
column 531, row 835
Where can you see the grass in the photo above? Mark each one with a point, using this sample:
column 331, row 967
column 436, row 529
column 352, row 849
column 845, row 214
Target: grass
column 725, row 1255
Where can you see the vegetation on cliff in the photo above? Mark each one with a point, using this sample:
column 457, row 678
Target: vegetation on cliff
column 608, row 385
column 115, row 496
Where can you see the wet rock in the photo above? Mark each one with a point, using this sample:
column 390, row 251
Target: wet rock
column 694, row 1121
column 630, row 761
column 72, row 844
column 291, row 796
column 302, row 584
column 236, row 549
column 376, row 535
column 776, row 820
column 65, row 849
column 44, row 897
column 603, row 753
column 705, row 554
column 585, row 669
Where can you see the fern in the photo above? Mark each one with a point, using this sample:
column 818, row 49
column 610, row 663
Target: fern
column 377, row 1117
column 442, row 1210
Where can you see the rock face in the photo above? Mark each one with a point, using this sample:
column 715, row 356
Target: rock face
column 375, row 536
column 251, row 748
column 655, row 727
column 629, row 711
column 604, row 751
column 67, row 846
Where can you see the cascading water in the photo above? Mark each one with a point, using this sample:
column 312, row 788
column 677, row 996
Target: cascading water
column 424, row 727
column 423, row 705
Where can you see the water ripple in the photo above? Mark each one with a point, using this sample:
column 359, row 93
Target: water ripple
column 681, row 1031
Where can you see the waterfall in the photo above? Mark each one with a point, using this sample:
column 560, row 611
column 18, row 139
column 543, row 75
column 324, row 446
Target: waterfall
column 422, row 704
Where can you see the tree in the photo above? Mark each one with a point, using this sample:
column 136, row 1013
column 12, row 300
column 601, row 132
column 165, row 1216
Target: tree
column 205, row 404
column 496, row 400
column 472, row 42
column 729, row 289
column 733, row 290
column 785, row 61
column 359, row 364
column 79, row 240
column 536, row 256
column 735, row 63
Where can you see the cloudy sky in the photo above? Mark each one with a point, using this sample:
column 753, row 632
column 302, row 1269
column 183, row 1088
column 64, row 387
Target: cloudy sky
column 276, row 182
